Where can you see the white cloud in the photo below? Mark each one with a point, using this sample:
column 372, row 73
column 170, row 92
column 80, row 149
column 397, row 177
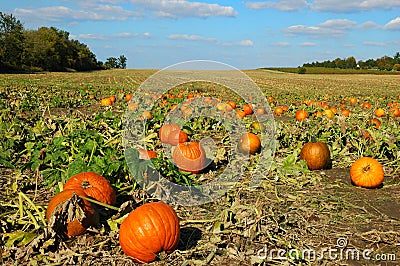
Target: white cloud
column 330, row 28
column 60, row 13
column 394, row 24
column 186, row 37
column 353, row 5
column 280, row 44
column 110, row 36
column 184, row 8
column 283, row 5
column 375, row 43
column 307, row 44
column 369, row 25
column 325, row 5
column 190, row 37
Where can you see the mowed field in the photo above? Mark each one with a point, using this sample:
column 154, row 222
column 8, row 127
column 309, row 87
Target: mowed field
column 53, row 126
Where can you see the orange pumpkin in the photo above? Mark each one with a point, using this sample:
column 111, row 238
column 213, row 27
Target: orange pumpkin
column 345, row 112
column 94, row 185
column 240, row 113
column 248, row 109
column 379, row 112
column 366, row 105
column 366, row 172
column 177, row 136
column 78, row 225
column 278, row 111
column 353, row 100
column 375, row 121
column 148, row 230
column 147, row 154
column 232, row 104
column 249, row 143
column 301, row 115
column 317, row 155
column 190, row 157
column 128, row 97
column 165, row 130
column 394, row 111
column 106, row 102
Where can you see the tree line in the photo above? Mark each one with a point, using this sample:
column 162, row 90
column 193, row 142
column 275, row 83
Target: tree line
column 46, row 49
column 383, row 63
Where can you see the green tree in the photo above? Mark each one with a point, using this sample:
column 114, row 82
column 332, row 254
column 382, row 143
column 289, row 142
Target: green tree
column 11, row 42
column 122, row 61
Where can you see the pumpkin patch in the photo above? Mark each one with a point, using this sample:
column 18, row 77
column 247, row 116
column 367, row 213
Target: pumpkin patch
column 322, row 151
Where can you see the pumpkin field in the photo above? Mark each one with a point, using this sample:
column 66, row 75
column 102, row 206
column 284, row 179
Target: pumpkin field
column 328, row 193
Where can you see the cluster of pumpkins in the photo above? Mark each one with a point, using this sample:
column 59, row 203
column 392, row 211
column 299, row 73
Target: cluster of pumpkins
column 149, row 229
column 365, row 172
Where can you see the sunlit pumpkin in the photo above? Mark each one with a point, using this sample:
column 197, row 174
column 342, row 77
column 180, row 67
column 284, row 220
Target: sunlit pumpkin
column 248, row 109
column 190, row 157
column 165, row 130
column 317, row 155
column 94, row 185
column 301, row 115
column 148, row 230
column 380, row 112
column 367, row 172
column 249, row 143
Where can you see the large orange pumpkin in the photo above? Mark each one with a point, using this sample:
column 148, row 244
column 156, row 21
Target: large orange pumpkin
column 190, row 157
column 148, row 230
column 249, row 143
column 317, row 155
column 94, row 185
column 165, row 130
column 301, row 115
column 366, row 172
column 76, row 226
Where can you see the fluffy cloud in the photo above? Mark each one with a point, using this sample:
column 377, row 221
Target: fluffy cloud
column 186, row 37
column 280, row 44
column 60, row 13
column 330, row 28
column 284, row 5
column 110, row 36
column 307, row 44
column 190, row 37
column 394, row 24
column 326, row 5
column 353, row 5
column 183, row 8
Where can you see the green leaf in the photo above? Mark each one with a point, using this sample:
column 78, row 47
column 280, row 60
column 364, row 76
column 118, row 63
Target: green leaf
column 19, row 238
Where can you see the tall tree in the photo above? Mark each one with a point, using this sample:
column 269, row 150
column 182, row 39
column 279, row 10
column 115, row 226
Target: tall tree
column 11, row 41
column 122, row 61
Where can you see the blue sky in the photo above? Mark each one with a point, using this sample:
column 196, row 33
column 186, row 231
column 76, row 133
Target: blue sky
column 244, row 34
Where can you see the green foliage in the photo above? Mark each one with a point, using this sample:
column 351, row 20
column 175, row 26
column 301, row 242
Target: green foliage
column 42, row 49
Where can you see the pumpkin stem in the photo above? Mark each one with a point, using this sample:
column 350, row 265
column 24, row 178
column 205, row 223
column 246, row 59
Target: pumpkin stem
column 313, row 139
column 86, row 184
column 366, row 168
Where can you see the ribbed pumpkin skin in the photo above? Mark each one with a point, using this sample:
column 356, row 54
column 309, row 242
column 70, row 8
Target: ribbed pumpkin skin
column 74, row 228
column 94, row 185
column 148, row 230
column 367, row 172
column 316, row 154
column 165, row 130
column 190, row 157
